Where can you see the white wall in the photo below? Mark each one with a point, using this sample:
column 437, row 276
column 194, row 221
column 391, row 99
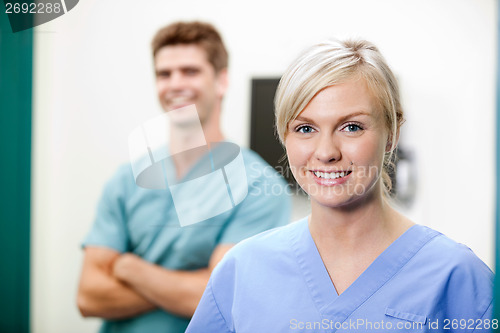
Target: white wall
column 94, row 83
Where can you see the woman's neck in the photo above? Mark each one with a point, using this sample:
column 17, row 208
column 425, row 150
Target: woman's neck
column 367, row 225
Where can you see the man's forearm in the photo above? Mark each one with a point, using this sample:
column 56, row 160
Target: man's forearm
column 102, row 295
column 178, row 292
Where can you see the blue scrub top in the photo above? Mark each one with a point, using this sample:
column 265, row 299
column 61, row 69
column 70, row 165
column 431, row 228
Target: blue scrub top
column 277, row 282
column 145, row 222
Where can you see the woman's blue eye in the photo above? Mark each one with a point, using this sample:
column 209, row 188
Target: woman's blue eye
column 352, row 128
column 305, row 129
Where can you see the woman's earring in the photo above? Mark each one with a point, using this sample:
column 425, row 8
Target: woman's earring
column 351, row 162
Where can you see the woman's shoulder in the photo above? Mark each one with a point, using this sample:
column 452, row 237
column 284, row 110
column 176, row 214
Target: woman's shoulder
column 276, row 239
column 456, row 267
column 263, row 248
column 452, row 273
column 452, row 252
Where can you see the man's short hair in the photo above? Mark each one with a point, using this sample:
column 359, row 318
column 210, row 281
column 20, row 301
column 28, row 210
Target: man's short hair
column 199, row 33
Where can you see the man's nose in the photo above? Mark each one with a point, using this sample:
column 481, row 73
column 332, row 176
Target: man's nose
column 177, row 80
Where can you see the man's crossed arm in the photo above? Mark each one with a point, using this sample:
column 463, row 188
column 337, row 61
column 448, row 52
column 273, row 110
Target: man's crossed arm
column 118, row 286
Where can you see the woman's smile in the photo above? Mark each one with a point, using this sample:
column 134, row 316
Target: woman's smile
column 330, row 178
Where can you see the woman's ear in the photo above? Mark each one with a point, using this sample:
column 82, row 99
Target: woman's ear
column 389, row 146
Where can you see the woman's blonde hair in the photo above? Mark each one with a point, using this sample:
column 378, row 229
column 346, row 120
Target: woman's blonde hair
column 333, row 62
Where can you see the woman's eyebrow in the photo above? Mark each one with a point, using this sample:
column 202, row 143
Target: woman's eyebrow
column 354, row 114
column 302, row 118
column 341, row 119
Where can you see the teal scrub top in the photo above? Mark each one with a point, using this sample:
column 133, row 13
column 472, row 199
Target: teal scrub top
column 144, row 222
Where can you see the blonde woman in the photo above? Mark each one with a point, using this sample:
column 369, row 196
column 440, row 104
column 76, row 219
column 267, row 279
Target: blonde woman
column 355, row 264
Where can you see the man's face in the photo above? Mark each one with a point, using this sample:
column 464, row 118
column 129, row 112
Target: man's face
column 184, row 77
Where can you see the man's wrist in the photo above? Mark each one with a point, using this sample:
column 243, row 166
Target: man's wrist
column 125, row 266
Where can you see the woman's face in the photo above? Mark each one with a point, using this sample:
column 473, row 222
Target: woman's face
column 336, row 146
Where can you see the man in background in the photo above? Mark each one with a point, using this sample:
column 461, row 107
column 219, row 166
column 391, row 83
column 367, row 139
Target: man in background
column 142, row 271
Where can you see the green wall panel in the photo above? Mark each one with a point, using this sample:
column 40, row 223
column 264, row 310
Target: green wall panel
column 15, row 180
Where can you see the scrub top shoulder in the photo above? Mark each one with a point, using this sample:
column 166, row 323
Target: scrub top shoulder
column 277, row 282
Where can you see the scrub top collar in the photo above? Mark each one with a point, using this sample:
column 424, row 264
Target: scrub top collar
column 339, row 307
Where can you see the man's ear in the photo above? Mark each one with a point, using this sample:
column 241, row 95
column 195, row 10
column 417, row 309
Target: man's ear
column 222, row 81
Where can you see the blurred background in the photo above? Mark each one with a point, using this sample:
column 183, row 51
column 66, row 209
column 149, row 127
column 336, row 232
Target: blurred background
column 93, row 83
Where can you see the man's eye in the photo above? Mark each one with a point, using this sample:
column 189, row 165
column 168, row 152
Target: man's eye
column 163, row 75
column 191, row 71
column 305, row 129
column 352, row 128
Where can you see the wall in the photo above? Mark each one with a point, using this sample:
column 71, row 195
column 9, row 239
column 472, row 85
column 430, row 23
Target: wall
column 94, row 83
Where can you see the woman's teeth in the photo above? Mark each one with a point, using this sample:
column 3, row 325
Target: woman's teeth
column 331, row 175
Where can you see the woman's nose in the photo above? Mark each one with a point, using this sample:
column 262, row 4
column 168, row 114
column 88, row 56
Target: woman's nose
column 327, row 149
